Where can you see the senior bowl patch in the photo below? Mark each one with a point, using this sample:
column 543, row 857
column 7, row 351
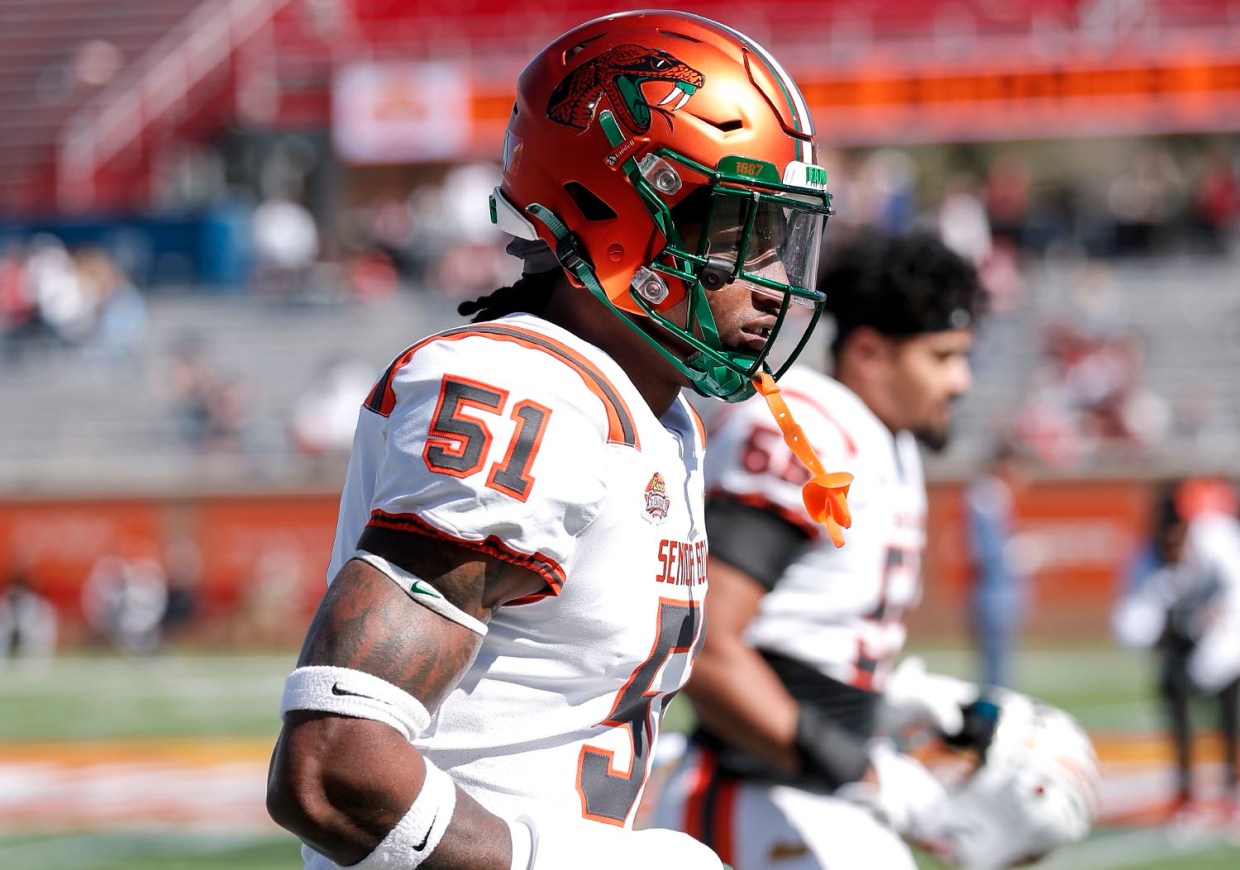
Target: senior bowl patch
column 657, row 501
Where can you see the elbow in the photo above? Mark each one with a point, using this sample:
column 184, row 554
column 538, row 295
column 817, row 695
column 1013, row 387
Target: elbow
column 338, row 783
column 284, row 808
column 291, row 791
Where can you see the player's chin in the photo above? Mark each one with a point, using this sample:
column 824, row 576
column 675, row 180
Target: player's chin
column 934, row 438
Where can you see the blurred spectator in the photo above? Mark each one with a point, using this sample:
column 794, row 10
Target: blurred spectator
column 286, row 245
column 1096, row 307
column 1090, row 392
column 124, row 599
column 883, row 193
column 1006, row 197
column 372, row 276
column 963, row 222
column 1143, row 200
column 183, row 569
column 462, row 250
column 120, row 311
column 65, row 308
column 390, row 227
column 20, row 323
column 325, row 414
column 1001, row 275
column 1183, row 600
column 999, row 561
column 1216, row 202
column 1046, row 424
column 1203, row 424
column 209, row 405
column 27, row 619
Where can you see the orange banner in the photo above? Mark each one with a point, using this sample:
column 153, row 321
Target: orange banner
column 1080, row 537
column 898, row 99
column 263, row 558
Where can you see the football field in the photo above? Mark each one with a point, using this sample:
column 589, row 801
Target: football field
column 159, row 763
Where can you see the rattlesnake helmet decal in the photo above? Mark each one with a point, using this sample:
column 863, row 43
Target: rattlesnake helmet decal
column 620, row 73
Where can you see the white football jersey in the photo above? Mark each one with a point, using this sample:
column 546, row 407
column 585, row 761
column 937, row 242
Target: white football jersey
column 520, row 440
column 1212, row 556
column 839, row 610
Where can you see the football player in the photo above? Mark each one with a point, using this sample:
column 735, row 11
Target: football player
column 1184, row 602
column 803, row 636
column 517, row 579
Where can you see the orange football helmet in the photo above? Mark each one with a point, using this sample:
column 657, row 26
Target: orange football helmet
column 661, row 155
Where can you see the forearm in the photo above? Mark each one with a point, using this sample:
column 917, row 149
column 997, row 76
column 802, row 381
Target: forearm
column 740, row 700
column 349, row 799
column 346, row 776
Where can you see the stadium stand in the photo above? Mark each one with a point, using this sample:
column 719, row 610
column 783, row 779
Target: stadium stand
column 87, row 427
column 55, row 55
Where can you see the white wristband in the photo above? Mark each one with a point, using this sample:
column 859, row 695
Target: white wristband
column 418, row 833
column 522, row 843
column 347, row 692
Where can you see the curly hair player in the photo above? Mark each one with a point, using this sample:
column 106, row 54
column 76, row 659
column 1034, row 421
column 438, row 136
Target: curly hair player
column 796, row 680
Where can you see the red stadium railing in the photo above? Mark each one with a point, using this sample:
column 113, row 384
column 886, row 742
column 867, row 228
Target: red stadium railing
column 285, row 51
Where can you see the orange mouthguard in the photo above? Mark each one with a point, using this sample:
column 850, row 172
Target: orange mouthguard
column 826, row 494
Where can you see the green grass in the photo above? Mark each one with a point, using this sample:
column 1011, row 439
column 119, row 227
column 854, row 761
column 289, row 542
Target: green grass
column 121, row 851
column 101, row 697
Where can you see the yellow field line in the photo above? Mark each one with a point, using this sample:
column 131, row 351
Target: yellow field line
column 208, row 750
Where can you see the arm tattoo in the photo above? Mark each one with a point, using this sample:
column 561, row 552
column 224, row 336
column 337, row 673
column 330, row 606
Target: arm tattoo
column 368, row 623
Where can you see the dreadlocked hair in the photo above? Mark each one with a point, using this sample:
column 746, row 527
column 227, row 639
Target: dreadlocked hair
column 530, row 294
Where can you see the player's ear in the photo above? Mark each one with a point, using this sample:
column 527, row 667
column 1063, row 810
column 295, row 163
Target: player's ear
column 867, row 345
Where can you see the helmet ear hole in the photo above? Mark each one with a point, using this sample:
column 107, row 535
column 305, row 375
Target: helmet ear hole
column 591, row 206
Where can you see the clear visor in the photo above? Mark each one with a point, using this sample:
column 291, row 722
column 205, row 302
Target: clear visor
column 776, row 243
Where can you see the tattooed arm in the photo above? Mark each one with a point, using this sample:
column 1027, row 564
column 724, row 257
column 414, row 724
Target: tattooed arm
column 341, row 783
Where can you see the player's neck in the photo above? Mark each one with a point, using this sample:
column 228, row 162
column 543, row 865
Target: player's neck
column 655, row 379
column 864, row 391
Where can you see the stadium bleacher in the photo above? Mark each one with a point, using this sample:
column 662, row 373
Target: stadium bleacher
column 55, row 55
column 84, row 426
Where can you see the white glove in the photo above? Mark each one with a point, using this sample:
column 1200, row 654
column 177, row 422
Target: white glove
column 905, row 792
column 569, row 844
column 915, row 699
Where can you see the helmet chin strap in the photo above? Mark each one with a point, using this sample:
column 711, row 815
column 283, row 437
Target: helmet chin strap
column 715, row 380
column 825, row 495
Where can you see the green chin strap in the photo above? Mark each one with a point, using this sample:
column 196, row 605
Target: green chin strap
column 708, row 371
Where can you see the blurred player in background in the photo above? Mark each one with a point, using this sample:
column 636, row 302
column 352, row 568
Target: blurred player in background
column 520, row 559
column 999, row 592
column 1183, row 601
column 803, row 636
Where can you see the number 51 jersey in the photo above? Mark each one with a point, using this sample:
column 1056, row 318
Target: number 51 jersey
column 518, row 439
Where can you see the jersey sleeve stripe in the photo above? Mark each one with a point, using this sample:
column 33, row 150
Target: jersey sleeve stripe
column 621, row 428
column 382, row 398
column 546, row 568
column 850, row 443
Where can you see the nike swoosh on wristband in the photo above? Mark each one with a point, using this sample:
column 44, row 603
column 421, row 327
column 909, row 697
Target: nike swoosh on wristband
column 420, row 588
column 426, row 839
